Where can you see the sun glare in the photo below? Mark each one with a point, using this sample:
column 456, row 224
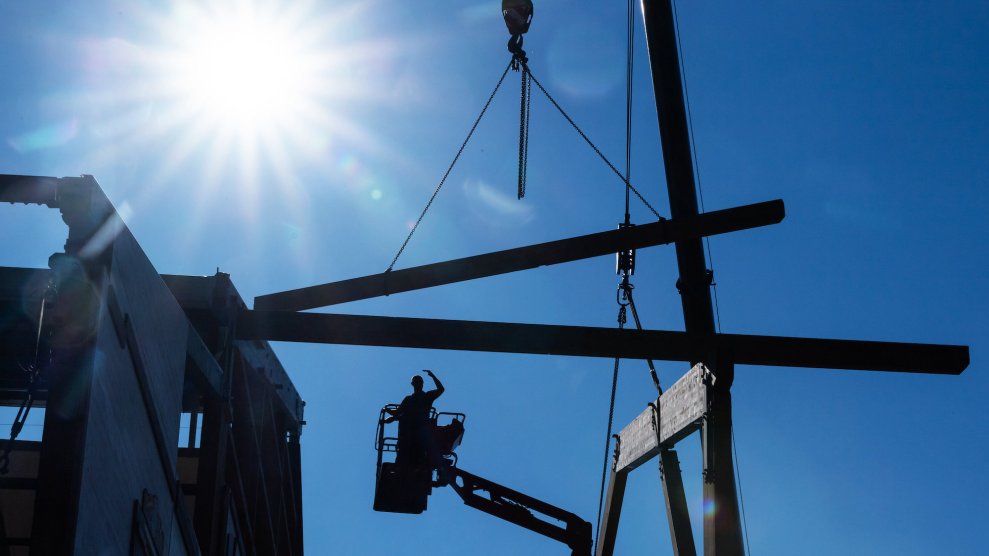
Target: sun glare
column 244, row 73
column 253, row 101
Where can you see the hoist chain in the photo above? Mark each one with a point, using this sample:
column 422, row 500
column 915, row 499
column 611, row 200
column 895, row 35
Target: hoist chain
column 524, row 114
column 34, row 374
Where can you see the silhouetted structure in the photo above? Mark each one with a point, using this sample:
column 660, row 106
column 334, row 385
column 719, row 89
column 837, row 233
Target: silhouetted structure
column 122, row 360
column 712, row 355
column 116, row 355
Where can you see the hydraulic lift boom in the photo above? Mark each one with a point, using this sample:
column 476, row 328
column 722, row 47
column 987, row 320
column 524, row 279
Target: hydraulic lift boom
column 403, row 485
column 518, row 508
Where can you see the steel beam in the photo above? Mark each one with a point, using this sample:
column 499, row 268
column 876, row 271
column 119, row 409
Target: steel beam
column 587, row 341
column 678, row 162
column 33, row 190
column 524, row 258
column 612, row 513
column 722, row 523
column 676, row 504
column 212, row 505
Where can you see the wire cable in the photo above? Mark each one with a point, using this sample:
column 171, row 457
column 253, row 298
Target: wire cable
column 625, row 286
column 450, row 168
column 629, row 58
column 593, row 146
column 738, row 475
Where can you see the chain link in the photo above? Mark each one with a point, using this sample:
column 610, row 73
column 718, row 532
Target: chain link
column 524, row 115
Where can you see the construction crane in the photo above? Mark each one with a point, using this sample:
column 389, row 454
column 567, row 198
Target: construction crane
column 403, row 485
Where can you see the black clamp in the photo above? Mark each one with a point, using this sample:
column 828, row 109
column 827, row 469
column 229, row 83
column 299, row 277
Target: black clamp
column 618, row 451
column 707, row 282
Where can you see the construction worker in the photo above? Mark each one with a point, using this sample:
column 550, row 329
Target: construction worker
column 415, row 434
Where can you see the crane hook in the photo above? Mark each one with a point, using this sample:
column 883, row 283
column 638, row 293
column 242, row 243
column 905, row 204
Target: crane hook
column 518, row 16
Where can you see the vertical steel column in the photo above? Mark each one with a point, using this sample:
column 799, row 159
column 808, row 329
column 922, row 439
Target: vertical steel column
column 722, row 533
column 612, row 512
column 295, row 458
column 722, row 527
column 661, row 38
column 676, row 504
column 211, row 500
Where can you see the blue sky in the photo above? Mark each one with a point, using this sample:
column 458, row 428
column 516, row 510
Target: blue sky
column 868, row 118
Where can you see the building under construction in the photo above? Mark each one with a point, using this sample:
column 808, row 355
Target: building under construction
column 123, row 360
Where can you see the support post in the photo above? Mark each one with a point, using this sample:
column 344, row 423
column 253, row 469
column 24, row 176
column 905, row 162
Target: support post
column 673, row 131
column 211, row 500
column 722, row 526
column 612, row 513
column 676, row 504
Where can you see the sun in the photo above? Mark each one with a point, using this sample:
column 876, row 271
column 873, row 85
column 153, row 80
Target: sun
column 246, row 100
column 244, row 70
column 252, row 105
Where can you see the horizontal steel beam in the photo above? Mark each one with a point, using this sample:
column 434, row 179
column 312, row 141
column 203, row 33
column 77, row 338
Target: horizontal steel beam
column 585, row 341
column 524, row 258
column 32, row 190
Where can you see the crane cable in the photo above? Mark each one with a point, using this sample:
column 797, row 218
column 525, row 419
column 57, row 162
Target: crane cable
column 450, row 167
column 624, row 295
column 611, row 418
column 530, row 78
column 594, row 147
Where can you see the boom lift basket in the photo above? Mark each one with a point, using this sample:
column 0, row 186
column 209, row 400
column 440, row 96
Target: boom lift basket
column 403, row 487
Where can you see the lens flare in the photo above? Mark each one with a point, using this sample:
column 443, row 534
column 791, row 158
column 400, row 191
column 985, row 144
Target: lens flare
column 45, row 137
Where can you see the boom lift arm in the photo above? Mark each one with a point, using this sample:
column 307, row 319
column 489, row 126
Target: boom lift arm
column 403, row 485
column 518, row 508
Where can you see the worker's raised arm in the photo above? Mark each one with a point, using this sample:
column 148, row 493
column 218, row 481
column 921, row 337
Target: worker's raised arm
column 439, row 385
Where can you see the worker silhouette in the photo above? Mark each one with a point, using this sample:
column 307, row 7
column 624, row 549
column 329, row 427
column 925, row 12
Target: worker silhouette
column 416, row 444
